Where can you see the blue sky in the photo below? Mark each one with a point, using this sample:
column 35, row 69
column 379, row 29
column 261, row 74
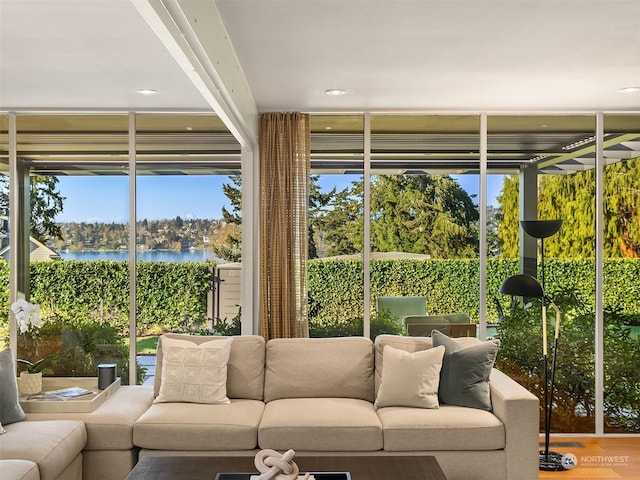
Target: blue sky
column 104, row 199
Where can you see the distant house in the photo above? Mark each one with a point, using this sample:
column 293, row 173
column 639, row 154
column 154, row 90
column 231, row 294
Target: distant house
column 38, row 250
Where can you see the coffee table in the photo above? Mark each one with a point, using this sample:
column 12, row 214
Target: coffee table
column 361, row 467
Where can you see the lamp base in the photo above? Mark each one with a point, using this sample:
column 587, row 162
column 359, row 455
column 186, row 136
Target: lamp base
column 555, row 462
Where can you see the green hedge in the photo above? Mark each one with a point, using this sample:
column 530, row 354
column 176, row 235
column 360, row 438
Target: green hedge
column 168, row 294
column 336, row 287
column 173, row 294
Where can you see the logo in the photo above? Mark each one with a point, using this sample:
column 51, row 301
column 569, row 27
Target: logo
column 569, row 461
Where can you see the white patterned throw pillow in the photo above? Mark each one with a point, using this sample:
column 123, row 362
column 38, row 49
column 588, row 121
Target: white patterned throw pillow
column 194, row 373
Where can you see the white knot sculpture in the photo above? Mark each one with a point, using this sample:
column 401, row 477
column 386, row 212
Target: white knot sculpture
column 274, row 466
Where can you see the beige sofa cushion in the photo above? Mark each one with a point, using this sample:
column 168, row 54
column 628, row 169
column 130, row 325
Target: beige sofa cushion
column 319, row 367
column 447, row 428
column 52, row 444
column 245, row 368
column 109, row 427
column 320, row 425
column 18, row 470
column 194, row 426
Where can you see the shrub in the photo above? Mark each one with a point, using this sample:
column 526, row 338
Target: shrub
column 223, row 327
column 81, row 346
column 382, row 323
column 574, row 397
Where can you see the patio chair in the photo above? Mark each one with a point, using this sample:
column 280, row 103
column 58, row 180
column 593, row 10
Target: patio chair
column 400, row 307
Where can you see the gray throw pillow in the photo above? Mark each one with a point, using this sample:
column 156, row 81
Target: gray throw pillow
column 10, row 409
column 464, row 377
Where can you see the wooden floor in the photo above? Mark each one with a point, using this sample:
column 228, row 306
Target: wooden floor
column 598, row 458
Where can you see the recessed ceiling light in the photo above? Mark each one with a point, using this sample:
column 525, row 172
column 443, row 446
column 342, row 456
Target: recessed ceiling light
column 629, row 90
column 335, row 92
column 146, row 91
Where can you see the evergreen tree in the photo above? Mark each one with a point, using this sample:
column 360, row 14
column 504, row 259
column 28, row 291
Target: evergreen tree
column 233, row 191
column 428, row 214
column 622, row 209
column 318, row 204
column 230, row 248
column 509, row 217
column 493, row 223
column 572, row 199
column 342, row 223
column 46, row 203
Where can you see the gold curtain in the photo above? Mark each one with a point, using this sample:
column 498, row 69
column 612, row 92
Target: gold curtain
column 284, row 191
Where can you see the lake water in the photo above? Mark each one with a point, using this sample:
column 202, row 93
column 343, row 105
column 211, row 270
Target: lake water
column 144, row 255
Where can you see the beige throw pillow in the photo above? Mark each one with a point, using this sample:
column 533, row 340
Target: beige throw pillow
column 410, row 379
column 194, row 373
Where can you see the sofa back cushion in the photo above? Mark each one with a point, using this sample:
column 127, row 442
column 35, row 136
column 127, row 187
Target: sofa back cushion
column 408, row 344
column 319, row 368
column 245, row 368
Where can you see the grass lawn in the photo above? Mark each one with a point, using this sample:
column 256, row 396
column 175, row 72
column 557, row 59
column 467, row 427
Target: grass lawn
column 147, row 345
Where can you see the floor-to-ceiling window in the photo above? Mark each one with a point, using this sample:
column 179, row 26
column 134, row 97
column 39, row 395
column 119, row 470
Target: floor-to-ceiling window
column 188, row 228
column 336, row 222
column 78, row 174
column 538, row 166
column 80, row 243
column 424, row 216
column 562, row 186
column 621, row 283
column 567, row 186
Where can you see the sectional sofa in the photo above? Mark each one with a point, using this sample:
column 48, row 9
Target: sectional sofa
column 317, row 396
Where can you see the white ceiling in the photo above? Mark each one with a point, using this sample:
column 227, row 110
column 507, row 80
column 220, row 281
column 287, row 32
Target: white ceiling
column 435, row 54
column 390, row 55
column 86, row 54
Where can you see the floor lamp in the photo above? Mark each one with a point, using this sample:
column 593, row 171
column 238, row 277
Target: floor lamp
column 541, row 229
column 528, row 287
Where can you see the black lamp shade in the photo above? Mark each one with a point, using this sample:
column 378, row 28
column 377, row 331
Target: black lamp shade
column 522, row 286
column 541, row 228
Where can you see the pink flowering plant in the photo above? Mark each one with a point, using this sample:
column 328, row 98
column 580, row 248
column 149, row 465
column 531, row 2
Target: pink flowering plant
column 28, row 322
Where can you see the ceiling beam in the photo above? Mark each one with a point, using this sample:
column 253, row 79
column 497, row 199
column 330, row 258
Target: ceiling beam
column 194, row 34
column 586, row 151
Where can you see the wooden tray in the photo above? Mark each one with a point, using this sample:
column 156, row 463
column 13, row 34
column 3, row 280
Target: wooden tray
column 84, row 404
